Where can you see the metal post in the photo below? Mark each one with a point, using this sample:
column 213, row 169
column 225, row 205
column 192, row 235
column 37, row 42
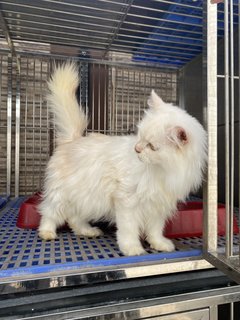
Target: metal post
column 9, row 125
column 213, row 313
column 231, row 211
column 17, row 131
column 239, row 121
column 210, row 112
column 226, row 103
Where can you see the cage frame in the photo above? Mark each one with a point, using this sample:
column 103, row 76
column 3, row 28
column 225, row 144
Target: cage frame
column 225, row 262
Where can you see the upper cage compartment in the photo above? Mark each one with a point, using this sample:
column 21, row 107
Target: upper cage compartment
column 168, row 33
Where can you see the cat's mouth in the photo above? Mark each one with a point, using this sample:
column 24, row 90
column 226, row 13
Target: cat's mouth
column 143, row 158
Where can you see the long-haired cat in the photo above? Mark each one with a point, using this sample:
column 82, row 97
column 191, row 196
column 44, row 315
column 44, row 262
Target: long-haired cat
column 134, row 181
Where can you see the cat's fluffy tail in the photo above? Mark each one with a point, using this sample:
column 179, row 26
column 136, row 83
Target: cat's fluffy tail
column 70, row 120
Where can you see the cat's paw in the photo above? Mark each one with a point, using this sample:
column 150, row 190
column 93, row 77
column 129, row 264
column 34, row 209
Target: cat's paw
column 47, row 234
column 90, row 232
column 132, row 250
column 162, row 244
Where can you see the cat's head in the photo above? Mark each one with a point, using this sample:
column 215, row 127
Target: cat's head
column 167, row 133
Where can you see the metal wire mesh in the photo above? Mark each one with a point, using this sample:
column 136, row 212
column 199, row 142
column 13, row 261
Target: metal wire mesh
column 114, row 97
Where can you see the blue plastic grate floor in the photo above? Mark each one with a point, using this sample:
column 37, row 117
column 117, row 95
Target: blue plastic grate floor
column 23, row 252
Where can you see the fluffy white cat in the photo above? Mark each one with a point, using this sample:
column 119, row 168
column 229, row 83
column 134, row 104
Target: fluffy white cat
column 134, row 181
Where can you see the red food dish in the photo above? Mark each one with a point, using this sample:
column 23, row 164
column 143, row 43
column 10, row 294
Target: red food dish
column 187, row 222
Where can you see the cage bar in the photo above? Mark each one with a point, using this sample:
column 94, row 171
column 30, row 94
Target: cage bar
column 9, row 125
column 17, row 134
column 210, row 110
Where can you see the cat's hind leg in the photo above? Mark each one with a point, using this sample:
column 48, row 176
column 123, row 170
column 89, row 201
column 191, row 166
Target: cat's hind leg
column 51, row 219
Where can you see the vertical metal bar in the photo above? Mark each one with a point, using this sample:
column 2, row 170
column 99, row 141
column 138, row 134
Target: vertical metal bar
column 99, row 98
column 231, row 311
column 17, row 128
column 122, row 85
column 113, row 108
column 40, row 124
column 93, row 93
column 144, row 90
column 110, row 98
column 213, row 313
column 1, row 87
column 227, row 134
column 210, row 112
column 239, row 123
column 9, row 124
column 25, row 129
column 48, row 125
column 128, row 84
column 140, row 96
column 134, row 97
column 1, row 72
column 33, row 133
column 232, row 130
column 116, row 101
column 150, row 80
column 82, row 77
column 105, row 99
column 52, row 115
column 155, row 81
column 86, row 93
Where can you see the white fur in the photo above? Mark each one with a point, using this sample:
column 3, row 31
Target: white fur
column 103, row 177
column 70, row 122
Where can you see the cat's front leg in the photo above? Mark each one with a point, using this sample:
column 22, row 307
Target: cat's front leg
column 154, row 232
column 128, row 232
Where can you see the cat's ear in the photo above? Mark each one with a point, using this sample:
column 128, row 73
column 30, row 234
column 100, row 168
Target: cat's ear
column 178, row 136
column 154, row 101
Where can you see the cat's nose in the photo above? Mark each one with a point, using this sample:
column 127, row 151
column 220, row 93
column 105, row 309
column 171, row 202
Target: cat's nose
column 138, row 148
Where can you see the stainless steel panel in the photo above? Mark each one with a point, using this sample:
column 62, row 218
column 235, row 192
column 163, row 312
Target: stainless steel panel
column 22, row 283
column 171, row 306
column 210, row 112
column 229, row 153
column 229, row 265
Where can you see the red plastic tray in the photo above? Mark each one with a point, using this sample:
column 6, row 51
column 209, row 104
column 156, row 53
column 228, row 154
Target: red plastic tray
column 187, row 222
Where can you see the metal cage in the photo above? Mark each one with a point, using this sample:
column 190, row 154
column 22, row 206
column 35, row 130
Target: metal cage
column 188, row 51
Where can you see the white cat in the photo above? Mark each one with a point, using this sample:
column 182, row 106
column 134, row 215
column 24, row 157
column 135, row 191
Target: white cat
column 134, row 181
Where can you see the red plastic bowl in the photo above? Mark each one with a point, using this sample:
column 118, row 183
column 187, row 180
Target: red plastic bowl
column 187, row 222
column 29, row 217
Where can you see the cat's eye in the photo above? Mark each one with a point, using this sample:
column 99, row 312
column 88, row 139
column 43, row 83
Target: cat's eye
column 151, row 146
